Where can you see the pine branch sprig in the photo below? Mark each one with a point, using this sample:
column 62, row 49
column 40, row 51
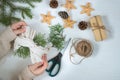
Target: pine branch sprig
column 40, row 40
column 8, row 9
column 23, row 52
column 56, row 36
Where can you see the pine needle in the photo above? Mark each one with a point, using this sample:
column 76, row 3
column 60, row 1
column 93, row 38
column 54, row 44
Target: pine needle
column 40, row 40
column 23, row 52
column 8, row 9
column 56, row 36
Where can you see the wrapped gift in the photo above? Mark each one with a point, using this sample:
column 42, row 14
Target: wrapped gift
column 26, row 40
column 98, row 28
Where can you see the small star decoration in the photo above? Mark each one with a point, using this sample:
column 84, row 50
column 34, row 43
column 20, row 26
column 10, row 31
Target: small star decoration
column 47, row 18
column 69, row 23
column 87, row 9
column 69, row 5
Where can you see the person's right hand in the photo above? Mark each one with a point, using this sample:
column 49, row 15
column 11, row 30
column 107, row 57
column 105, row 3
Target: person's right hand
column 40, row 67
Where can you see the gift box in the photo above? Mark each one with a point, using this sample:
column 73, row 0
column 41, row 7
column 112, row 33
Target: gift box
column 98, row 28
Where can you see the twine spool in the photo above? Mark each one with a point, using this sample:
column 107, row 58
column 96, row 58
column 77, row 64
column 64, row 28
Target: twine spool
column 82, row 48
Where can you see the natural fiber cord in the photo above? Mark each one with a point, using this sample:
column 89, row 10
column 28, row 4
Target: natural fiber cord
column 82, row 47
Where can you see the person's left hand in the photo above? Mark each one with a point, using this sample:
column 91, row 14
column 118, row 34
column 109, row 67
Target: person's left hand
column 19, row 27
column 39, row 68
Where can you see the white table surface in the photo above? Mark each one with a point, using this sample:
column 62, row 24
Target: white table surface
column 104, row 64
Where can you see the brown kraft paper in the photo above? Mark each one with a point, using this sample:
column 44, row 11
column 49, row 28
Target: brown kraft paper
column 98, row 28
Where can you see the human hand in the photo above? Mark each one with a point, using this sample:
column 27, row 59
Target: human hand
column 39, row 68
column 19, row 27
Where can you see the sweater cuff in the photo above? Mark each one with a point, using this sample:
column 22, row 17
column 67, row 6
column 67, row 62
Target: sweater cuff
column 26, row 75
column 9, row 35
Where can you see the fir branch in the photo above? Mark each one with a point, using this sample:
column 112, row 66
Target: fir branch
column 29, row 2
column 56, row 36
column 23, row 52
column 21, row 1
column 25, row 12
column 40, row 40
column 8, row 19
column 6, row 14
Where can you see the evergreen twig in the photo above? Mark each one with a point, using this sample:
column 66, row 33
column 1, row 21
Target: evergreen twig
column 8, row 9
column 56, row 36
column 40, row 40
column 23, row 52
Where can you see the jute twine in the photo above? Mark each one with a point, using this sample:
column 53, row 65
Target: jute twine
column 82, row 47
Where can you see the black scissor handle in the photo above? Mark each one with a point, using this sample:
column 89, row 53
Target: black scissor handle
column 55, row 61
column 52, row 75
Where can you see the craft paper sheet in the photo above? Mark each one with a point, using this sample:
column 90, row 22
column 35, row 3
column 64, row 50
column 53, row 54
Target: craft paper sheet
column 26, row 40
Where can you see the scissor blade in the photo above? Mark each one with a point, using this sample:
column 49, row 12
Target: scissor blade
column 65, row 46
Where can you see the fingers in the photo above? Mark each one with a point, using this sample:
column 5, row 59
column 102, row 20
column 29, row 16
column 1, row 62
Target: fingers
column 18, row 25
column 19, row 31
column 45, row 63
column 45, row 60
column 35, row 66
column 38, row 64
column 39, row 68
column 44, row 57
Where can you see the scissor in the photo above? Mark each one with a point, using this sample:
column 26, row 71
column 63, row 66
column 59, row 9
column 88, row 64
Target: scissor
column 55, row 62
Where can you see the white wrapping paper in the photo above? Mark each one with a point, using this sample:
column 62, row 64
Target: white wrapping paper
column 26, row 40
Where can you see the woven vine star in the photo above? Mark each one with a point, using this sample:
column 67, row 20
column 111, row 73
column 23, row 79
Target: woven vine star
column 87, row 9
column 69, row 5
column 69, row 23
column 47, row 18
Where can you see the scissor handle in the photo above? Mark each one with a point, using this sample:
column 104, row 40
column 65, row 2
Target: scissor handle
column 55, row 61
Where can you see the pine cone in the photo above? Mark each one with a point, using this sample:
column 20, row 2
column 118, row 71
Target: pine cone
column 53, row 3
column 82, row 25
column 63, row 14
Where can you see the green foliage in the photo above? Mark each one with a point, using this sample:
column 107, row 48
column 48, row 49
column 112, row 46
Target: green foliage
column 8, row 9
column 23, row 52
column 40, row 40
column 56, row 36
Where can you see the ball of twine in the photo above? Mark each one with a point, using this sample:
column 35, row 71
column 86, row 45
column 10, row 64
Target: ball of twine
column 84, row 48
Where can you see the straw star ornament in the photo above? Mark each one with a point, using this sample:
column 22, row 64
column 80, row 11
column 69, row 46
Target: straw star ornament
column 47, row 18
column 69, row 23
column 69, row 5
column 87, row 9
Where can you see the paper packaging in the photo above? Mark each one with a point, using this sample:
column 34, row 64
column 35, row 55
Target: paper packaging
column 26, row 40
column 98, row 28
